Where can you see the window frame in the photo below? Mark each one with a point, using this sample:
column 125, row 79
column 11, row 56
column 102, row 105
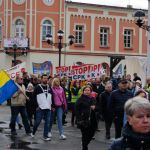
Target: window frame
column 105, row 40
column 46, row 25
column 128, row 37
column 19, row 26
column 79, row 40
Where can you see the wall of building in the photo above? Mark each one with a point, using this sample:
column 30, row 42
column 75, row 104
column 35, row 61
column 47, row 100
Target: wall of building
column 65, row 15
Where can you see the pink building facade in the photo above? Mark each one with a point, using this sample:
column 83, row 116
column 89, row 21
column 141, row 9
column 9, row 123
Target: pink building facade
column 100, row 31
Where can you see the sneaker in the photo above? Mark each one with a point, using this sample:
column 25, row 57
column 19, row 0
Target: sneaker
column 32, row 135
column 62, row 137
column 49, row 134
column 46, row 138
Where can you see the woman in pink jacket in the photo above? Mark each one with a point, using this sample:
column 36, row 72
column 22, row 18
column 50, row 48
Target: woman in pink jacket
column 60, row 106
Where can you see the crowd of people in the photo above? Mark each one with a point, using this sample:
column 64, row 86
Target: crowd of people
column 50, row 98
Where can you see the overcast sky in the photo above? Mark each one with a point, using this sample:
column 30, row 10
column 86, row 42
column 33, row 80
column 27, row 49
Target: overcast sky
column 136, row 3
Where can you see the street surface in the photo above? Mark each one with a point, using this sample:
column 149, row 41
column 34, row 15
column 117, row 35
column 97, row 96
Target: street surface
column 24, row 142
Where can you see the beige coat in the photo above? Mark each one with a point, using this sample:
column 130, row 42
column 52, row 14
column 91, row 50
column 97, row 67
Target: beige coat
column 19, row 99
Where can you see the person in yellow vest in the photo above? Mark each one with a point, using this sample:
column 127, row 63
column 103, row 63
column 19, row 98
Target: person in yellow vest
column 75, row 94
column 147, row 88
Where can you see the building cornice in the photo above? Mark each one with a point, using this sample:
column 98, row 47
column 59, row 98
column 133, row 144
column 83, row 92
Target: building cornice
column 101, row 6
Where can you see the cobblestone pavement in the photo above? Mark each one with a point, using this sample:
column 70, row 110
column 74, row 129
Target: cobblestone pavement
column 24, row 142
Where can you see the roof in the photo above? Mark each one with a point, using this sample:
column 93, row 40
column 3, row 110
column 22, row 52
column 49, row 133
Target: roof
column 99, row 5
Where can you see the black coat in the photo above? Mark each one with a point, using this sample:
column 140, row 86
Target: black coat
column 82, row 109
column 31, row 103
column 131, row 140
column 117, row 101
column 104, row 100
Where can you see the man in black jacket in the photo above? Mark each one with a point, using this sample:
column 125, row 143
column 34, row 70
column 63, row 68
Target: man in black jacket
column 116, row 105
column 104, row 100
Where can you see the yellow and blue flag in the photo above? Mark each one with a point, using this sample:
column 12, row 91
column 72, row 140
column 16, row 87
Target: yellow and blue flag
column 7, row 87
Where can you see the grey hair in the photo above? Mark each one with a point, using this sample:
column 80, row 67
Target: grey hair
column 135, row 104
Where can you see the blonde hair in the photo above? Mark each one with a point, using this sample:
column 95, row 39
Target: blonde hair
column 54, row 82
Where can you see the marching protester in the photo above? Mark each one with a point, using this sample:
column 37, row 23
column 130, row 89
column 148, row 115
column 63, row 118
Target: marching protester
column 138, row 85
column 26, row 79
column 66, row 86
column 75, row 94
column 86, row 117
column 136, row 77
column 140, row 93
column 104, row 100
column 34, row 81
column 136, row 133
column 132, row 87
column 30, row 104
column 147, row 87
column 18, row 105
column 128, row 77
column 116, row 105
column 99, row 85
column 60, row 106
column 44, row 101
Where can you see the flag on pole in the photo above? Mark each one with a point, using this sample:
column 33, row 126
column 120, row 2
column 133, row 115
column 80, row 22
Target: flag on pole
column 7, row 87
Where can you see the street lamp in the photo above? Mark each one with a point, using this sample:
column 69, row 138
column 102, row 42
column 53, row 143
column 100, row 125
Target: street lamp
column 140, row 22
column 14, row 49
column 60, row 44
column 16, row 46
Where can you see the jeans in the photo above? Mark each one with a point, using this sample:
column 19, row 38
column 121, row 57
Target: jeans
column 59, row 113
column 15, row 110
column 42, row 114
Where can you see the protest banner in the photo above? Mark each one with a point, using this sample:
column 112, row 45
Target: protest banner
column 42, row 68
column 16, row 70
column 84, row 72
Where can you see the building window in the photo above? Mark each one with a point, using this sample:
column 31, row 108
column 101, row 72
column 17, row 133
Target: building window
column 79, row 32
column 104, row 34
column 19, row 28
column 46, row 29
column 0, row 30
column 128, row 38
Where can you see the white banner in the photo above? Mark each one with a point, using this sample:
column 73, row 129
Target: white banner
column 20, row 42
column 16, row 70
column 84, row 72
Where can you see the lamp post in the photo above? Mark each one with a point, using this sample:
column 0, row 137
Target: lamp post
column 16, row 46
column 60, row 44
column 140, row 22
column 14, row 51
